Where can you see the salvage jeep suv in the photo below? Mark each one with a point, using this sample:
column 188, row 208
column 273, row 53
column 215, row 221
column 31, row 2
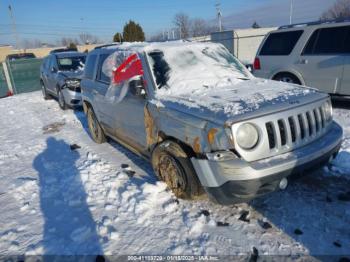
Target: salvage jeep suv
column 204, row 121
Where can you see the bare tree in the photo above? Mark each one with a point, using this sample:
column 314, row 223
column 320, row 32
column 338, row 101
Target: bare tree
column 158, row 37
column 182, row 23
column 86, row 38
column 66, row 41
column 340, row 10
column 200, row 27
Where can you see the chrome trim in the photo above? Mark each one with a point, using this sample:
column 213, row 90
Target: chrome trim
column 285, row 137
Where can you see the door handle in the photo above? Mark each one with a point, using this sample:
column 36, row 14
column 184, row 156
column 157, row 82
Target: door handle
column 302, row 61
column 94, row 92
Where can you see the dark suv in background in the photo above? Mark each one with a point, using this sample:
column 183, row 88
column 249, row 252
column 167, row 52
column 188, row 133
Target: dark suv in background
column 60, row 76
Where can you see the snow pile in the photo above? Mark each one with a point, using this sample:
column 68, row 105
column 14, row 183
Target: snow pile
column 56, row 198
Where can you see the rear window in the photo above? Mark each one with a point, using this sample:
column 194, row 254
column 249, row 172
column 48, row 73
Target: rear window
column 281, row 43
column 101, row 75
column 328, row 41
column 90, row 66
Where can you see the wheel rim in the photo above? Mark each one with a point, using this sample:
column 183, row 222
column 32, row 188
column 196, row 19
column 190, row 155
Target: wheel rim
column 93, row 125
column 61, row 99
column 171, row 173
column 287, row 79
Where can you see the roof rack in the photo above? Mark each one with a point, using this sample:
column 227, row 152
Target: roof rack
column 316, row 23
column 106, row 45
column 61, row 50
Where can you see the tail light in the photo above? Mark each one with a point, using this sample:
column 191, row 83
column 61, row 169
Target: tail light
column 9, row 93
column 257, row 65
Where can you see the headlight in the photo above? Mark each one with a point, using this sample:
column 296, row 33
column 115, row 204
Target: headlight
column 327, row 109
column 72, row 83
column 247, row 136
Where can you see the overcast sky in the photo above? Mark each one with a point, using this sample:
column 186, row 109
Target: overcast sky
column 49, row 21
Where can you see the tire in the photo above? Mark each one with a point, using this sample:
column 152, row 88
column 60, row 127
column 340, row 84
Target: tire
column 288, row 78
column 96, row 132
column 61, row 101
column 173, row 166
column 44, row 91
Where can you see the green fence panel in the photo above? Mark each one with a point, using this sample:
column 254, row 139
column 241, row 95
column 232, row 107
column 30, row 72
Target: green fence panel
column 3, row 84
column 25, row 75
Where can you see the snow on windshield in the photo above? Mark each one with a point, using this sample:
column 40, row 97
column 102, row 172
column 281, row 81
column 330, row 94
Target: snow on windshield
column 182, row 68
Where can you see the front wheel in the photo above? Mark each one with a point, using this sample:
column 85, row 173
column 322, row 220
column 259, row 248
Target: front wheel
column 61, row 100
column 173, row 166
column 95, row 129
column 44, row 91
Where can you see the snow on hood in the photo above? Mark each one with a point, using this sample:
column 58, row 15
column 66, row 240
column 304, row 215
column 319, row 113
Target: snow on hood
column 206, row 76
column 232, row 97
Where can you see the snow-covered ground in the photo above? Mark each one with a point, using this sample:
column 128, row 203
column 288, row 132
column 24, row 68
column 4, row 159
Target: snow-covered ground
column 61, row 198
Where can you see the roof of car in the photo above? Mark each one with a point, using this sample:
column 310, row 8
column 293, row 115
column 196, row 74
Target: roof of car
column 316, row 23
column 69, row 54
column 146, row 46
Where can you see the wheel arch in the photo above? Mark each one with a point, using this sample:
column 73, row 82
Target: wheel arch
column 164, row 137
column 290, row 72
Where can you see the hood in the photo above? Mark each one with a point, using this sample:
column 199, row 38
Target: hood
column 237, row 101
column 72, row 74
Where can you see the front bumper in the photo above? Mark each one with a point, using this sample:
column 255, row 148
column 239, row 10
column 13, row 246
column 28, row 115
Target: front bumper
column 236, row 180
column 72, row 98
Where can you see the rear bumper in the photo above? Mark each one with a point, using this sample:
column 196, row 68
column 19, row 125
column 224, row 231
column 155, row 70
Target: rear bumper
column 236, row 180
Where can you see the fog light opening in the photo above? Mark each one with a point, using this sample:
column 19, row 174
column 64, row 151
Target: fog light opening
column 283, row 183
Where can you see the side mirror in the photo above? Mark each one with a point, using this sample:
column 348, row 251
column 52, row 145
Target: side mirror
column 53, row 70
column 136, row 86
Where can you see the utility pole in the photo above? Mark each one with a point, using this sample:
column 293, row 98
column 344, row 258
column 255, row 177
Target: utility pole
column 14, row 26
column 219, row 14
column 291, row 12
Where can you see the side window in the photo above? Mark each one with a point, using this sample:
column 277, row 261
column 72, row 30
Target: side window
column 328, row 41
column 309, row 49
column 347, row 41
column 90, row 66
column 281, row 43
column 101, row 76
column 50, row 63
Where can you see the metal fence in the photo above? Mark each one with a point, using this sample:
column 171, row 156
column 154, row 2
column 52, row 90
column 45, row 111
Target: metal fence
column 23, row 75
column 3, row 85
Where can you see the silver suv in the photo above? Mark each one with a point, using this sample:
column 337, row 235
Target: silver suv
column 204, row 121
column 60, row 75
column 314, row 54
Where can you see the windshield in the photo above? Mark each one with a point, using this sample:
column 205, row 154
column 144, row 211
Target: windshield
column 71, row 63
column 194, row 65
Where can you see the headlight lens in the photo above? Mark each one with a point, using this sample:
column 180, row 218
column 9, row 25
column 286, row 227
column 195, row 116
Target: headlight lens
column 328, row 111
column 72, row 82
column 247, row 136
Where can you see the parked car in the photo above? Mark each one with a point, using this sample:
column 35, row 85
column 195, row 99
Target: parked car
column 314, row 54
column 204, row 121
column 60, row 76
column 14, row 57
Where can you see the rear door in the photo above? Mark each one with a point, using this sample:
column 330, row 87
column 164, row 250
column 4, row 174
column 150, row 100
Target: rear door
column 321, row 62
column 45, row 70
column 52, row 74
column 102, row 105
